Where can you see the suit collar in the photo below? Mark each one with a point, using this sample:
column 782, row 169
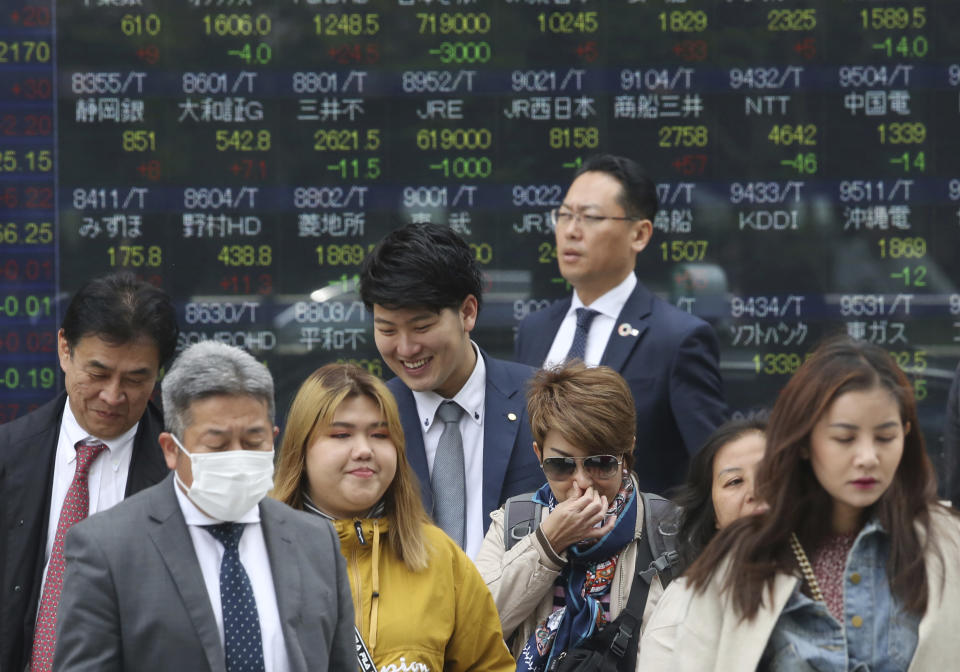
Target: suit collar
column 168, row 531
column 553, row 315
column 287, row 579
column 632, row 323
column 503, row 412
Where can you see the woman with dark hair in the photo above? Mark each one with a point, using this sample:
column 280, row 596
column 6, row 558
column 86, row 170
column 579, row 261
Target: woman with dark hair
column 855, row 564
column 420, row 603
column 720, row 486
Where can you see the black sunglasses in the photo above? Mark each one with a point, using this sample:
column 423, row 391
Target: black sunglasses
column 597, row 466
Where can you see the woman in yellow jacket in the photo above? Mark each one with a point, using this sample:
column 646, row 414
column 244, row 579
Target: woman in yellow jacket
column 420, row 603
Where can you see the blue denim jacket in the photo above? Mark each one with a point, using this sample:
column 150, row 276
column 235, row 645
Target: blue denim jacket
column 877, row 634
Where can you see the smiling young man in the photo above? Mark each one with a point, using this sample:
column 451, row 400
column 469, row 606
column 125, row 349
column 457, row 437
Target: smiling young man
column 669, row 357
column 424, row 287
column 83, row 452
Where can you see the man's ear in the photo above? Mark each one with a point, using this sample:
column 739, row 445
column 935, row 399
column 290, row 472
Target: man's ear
column 536, row 450
column 170, row 449
column 468, row 312
column 642, row 233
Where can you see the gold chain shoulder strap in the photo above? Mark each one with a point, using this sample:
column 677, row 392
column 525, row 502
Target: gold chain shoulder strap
column 805, row 567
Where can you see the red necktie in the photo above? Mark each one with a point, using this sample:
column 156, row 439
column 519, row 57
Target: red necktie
column 76, row 505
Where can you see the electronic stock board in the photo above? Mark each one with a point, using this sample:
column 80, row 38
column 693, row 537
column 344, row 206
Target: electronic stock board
column 245, row 155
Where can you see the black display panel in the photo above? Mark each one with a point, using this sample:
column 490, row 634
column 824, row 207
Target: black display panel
column 245, row 155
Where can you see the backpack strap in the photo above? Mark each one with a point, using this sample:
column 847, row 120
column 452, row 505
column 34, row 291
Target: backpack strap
column 657, row 556
column 660, row 517
column 521, row 516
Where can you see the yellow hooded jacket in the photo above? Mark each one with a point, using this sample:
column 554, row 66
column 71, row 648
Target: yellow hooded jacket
column 441, row 619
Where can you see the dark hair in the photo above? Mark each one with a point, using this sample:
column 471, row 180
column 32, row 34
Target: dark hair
column 420, row 265
column 698, row 520
column 638, row 195
column 759, row 546
column 121, row 309
column 591, row 407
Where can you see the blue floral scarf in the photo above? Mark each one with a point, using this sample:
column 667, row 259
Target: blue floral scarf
column 585, row 580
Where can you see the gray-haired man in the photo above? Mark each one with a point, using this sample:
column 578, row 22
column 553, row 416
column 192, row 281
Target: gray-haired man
column 200, row 572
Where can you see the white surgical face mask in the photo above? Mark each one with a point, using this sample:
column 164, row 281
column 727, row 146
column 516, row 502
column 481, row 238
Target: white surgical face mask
column 228, row 484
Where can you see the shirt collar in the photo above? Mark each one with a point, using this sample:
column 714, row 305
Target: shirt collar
column 75, row 434
column 470, row 397
column 611, row 303
column 195, row 516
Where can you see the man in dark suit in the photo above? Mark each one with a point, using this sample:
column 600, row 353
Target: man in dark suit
column 201, row 572
column 424, row 287
column 116, row 334
column 669, row 358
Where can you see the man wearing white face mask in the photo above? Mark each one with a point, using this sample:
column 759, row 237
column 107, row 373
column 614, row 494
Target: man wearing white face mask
column 201, row 572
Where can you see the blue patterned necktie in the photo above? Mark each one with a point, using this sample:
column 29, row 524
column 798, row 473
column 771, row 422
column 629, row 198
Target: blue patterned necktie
column 448, row 480
column 578, row 348
column 242, row 642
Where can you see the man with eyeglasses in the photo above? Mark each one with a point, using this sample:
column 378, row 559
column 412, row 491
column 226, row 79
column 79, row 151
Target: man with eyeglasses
column 669, row 358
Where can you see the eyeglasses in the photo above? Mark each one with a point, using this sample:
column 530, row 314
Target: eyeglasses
column 596, row 466
column 560, row 217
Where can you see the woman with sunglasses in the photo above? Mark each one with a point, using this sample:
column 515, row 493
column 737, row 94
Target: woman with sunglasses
column 562, row 583
column 854, row 567
column 418, row 600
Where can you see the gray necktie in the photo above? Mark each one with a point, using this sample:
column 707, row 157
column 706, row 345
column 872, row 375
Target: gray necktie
column 578, row 348
column 447, row 479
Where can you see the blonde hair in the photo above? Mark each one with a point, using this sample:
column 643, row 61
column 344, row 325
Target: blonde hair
column 312, row 412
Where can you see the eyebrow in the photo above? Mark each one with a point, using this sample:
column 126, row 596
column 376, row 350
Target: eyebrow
column 100, row 366
column 847, row 425
column 416, row 318
column 351, row 425
column 223, row 432
column 728, row 470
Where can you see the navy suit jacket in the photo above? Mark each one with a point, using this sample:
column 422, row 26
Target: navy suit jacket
column 28, row 446
column 510, row 466
column 671, row 364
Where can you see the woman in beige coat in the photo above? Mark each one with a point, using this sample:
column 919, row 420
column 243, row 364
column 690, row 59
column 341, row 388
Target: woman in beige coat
column 855, row 566
column 565, row 581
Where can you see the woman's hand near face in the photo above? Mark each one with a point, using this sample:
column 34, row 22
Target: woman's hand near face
column 576, row 518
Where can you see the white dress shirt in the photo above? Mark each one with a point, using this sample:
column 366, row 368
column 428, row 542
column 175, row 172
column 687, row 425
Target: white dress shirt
column 471, row 400
column 106, row 480
column 608, row 308
column 256, row 562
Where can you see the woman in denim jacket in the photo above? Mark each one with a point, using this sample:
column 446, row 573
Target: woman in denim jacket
column 855, row 566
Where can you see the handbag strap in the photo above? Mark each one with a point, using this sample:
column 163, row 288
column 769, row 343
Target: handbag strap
column 363, row 653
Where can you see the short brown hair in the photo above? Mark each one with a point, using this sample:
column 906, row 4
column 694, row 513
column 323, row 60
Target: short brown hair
column 590, row 407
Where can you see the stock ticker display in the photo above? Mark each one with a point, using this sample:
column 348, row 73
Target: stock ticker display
column 246, row 155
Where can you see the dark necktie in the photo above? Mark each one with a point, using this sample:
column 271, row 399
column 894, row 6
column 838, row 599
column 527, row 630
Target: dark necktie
column 447, row 479
column 578, row 348
column 242, row 643
column 76, row 506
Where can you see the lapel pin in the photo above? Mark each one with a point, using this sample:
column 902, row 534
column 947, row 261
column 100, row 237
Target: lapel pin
column 626, row 330
column 512, row 417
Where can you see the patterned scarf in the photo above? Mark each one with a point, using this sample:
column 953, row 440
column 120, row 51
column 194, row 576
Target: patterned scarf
column 585, row 580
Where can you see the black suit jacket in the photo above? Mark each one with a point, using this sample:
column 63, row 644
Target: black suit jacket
column 670, row 360
column 28, row 446
column 510, row 466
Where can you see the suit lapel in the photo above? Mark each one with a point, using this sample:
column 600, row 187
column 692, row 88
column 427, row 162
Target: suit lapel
column 286, row 580
column 413, row 433
column 172, row 539
column 540, row 347
column 503, row 410
column 629, row 328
